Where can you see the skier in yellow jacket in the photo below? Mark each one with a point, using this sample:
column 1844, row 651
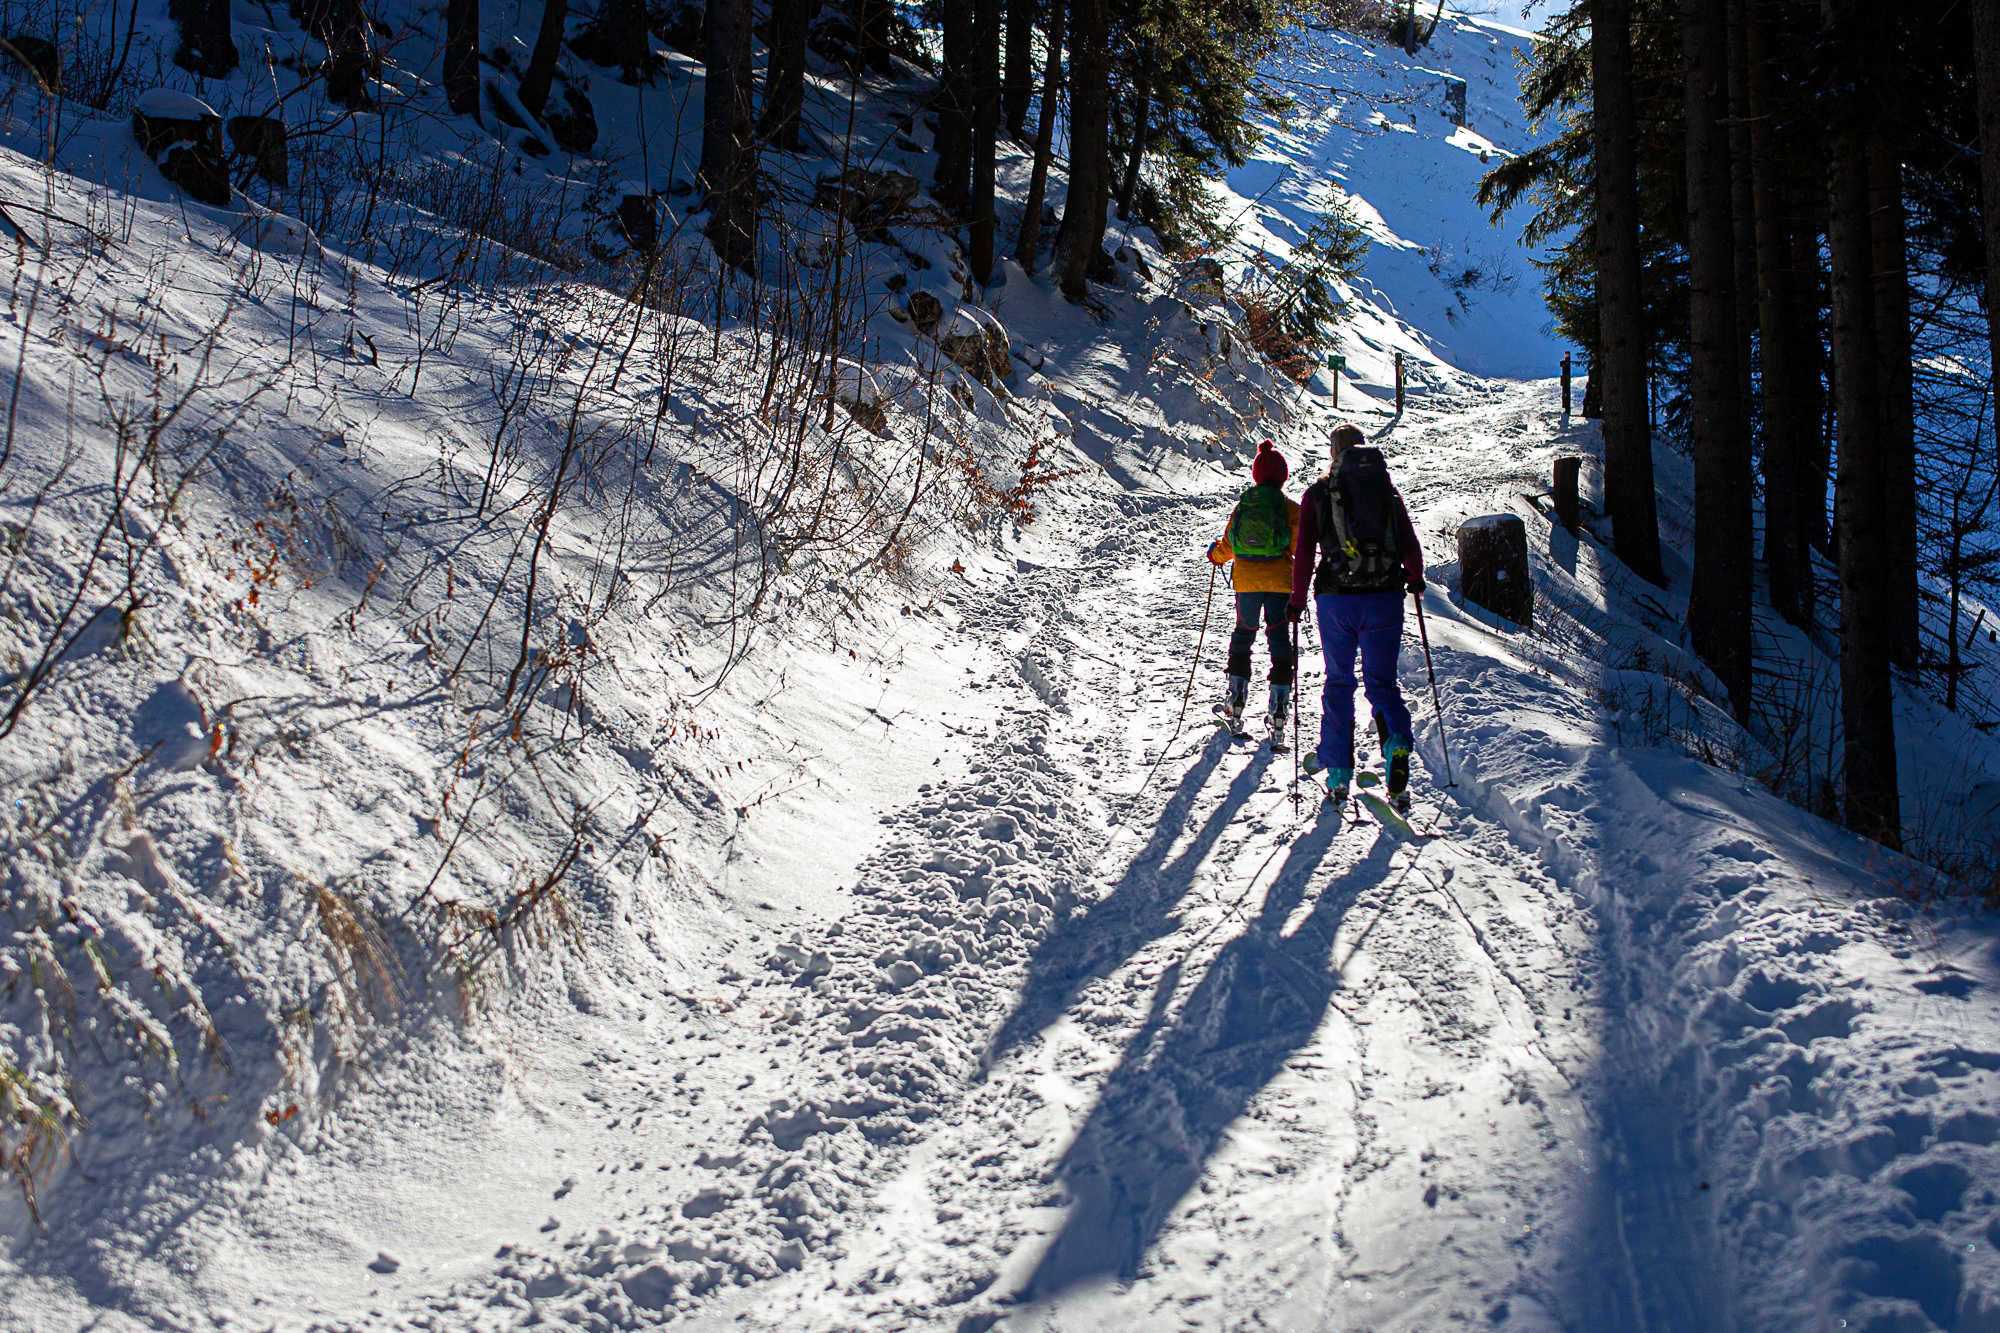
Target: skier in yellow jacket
column 1261, row 540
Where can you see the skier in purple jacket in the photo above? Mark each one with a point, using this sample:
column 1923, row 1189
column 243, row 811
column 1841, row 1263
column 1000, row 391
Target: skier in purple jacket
column 1358, row 554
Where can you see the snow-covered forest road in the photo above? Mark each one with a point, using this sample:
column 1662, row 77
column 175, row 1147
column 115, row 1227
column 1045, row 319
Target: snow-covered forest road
column 1148, row 1045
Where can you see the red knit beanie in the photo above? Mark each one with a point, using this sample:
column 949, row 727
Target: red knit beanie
column 1269, row 468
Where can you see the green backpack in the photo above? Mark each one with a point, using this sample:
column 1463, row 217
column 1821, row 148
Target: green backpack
column 1261, row 530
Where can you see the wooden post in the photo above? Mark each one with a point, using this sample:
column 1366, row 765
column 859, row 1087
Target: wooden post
column 1567, row 512
column 1493, row 566
column 1399, row 382
column 1338, row 364
column 1565, row 383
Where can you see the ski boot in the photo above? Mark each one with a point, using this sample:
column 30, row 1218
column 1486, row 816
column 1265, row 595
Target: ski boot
column 1396, row 750
column 1280, row 716
column 1337, row 780
column 1230, row 711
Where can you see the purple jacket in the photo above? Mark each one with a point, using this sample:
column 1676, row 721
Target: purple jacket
column 1306, row 558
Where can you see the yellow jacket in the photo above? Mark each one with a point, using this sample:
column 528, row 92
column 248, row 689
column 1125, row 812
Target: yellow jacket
column 1259, row 575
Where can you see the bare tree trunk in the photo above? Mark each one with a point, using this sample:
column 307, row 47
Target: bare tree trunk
column 785, row 74
column 1019, row 89
column 952, row 185
column 1742, row 216
column 207, row 47
column 1089, row 162
column 461, row 57
column 541, row 72
column 728, row 136
column 1867, row 694
column 1719, row 604
column 1784, row 547
column 1621, row 342
column 871, row 20
column 985, row 136
column 1028, row 244
column 1143, row 96
column 1811, row 375
column 1890, row 265
column 1986, row 65
column 619, row 38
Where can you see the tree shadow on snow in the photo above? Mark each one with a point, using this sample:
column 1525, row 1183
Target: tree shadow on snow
column 1165, row 1108
column 1138, row 909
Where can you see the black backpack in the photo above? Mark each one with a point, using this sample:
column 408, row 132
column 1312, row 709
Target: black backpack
column 1358, row 520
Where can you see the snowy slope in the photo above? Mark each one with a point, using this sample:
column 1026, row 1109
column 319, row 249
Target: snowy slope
column 959, row 982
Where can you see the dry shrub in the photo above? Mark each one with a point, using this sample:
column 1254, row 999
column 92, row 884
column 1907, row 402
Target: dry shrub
column 369, row 978
column 1286, row 349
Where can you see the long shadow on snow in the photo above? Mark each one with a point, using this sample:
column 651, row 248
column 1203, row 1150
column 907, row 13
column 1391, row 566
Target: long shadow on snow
column 1138, row 909
column 1165, row 1107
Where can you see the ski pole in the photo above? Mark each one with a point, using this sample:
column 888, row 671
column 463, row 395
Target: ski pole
column 1207, row 607
column 1199, row 639
column 1296, row 675
column 1436, row 703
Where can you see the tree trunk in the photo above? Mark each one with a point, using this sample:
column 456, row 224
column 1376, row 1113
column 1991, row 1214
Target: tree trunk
column 1089, row 164
column 785, row 73
column 1028, row 244
column 1867, row 695
column 461, row 57
column 1621, row 303
column 1890, row 271
column 951, row 186
column 541, row 71
column 1742, row 216
column 619, row 39
column 985, row 135
column 728, row 136
column 1986, row 65
column 1019, row 89
column 1144, row 97
column 1719, row 603
column 1784, row 547
column 207, row 47
column 1811, row 377
column 871, row 19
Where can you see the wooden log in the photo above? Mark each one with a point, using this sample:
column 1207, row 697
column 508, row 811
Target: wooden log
column 1493, row 566
column 1567, row 512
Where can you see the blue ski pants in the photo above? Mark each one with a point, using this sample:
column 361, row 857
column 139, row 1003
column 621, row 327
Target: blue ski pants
column 1373, row 623
column 1270, row 608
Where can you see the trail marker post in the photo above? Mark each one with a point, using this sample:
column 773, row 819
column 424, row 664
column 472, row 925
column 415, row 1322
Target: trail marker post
column 1338, row 364
column 1564, row 494
column 1399, row 383
column 1565, row 383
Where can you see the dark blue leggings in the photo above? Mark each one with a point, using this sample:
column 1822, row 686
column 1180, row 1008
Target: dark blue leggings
column 1270, row 608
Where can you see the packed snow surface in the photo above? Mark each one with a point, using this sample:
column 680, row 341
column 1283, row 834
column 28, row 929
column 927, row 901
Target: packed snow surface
column 964, row 977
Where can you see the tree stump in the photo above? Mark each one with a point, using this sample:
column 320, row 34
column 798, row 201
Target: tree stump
column 183, row 136
column 638, row 219
column 1493, row 566
column 1567, row 512
column 262, row 139
column 40, row 56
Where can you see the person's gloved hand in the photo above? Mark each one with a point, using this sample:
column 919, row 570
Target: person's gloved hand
column 1294, row 613
column 1417, row 589
column 1215, row 555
